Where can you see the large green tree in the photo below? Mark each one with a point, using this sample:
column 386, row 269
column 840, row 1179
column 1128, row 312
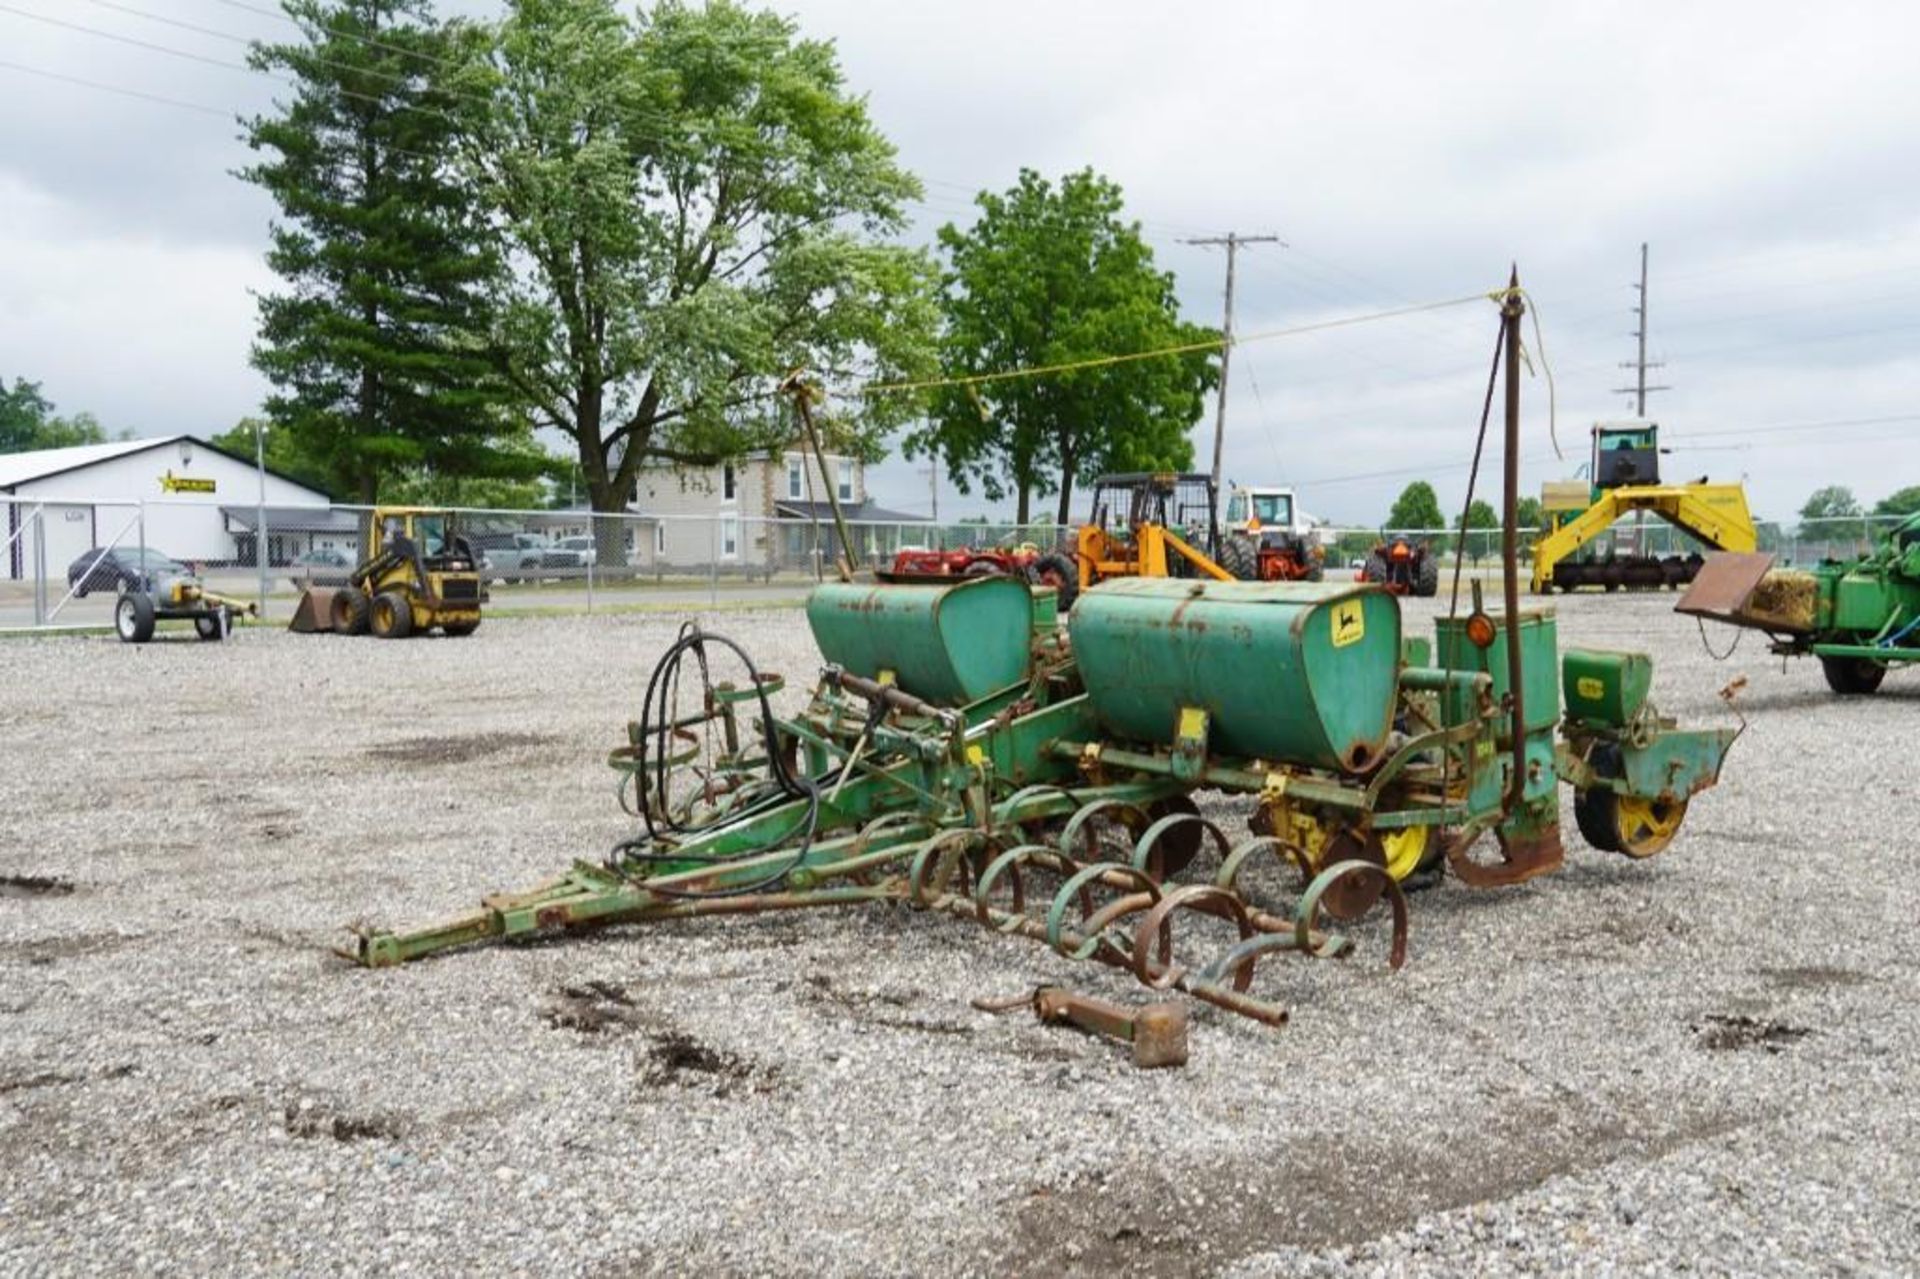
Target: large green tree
column 689, row 203
column 1835, row 501
column 1417, row 507
column 374, row 341
column 1478, row 526
column 27, row 421
column 1900, row 502
column 1050, row 275
column 1832, row 512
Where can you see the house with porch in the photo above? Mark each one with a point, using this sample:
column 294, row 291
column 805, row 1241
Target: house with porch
column 764, row 513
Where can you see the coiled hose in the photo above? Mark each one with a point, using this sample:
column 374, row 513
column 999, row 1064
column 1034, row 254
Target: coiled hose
column 654, row 749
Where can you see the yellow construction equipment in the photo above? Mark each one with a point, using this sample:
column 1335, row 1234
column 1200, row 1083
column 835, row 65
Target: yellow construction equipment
column 417, row 574
column 1131, row 532
column 1625, row 475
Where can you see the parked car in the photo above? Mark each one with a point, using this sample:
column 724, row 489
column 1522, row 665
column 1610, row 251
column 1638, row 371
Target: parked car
column 509, row 557
column 323, row 566
column 122, row 568
column 568, row 552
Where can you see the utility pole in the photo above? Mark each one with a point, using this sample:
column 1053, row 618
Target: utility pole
column 1640, row 366
column 1233, row 241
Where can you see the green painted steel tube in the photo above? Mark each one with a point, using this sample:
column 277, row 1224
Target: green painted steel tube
column 1424, row 679
column 1293, row 672
column 1868, row 651
column 1309, row 789
column 946, row 644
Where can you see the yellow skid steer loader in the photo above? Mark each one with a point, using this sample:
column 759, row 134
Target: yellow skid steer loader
column 418, row 574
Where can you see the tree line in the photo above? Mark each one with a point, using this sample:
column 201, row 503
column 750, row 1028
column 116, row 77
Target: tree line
column 627, row 231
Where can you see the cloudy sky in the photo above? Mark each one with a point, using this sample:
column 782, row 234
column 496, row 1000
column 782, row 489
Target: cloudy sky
column 1406, row 153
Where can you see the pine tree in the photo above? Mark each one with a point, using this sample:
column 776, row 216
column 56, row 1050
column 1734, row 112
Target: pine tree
column 376, row 343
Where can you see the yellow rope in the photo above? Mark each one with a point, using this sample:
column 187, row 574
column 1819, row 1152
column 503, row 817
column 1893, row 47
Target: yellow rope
column 1211, row 344
column 1540, row 341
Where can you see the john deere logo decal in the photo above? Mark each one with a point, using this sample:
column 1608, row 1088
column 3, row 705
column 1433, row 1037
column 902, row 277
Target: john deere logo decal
column 171, row 483
column 1349, row 623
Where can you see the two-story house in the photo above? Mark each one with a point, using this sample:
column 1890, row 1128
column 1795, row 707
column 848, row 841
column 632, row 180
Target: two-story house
column 763, row 512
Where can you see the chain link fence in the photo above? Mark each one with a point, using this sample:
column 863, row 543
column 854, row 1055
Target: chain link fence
column 65, row 560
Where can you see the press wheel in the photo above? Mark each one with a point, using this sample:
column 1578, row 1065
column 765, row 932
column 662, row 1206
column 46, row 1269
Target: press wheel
column 1629, row 824
column 1405, row 849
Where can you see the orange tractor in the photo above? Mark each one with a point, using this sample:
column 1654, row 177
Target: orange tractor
column 1403, row 566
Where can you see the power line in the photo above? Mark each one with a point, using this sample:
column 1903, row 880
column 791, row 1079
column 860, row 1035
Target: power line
column 229, row 114
column 338, row 32
column 125, row 93
column 1185, row 348
column 132, row 40
column 1440, row 468
column 248, row 41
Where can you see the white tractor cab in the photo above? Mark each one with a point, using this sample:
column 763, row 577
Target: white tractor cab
column 1268, row 539
column 1256, row 510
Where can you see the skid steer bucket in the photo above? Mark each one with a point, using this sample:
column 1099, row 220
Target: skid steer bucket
column 314, row 612
column 1744, row 589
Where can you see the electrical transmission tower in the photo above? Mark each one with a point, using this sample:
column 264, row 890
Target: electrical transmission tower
column 1640, row 365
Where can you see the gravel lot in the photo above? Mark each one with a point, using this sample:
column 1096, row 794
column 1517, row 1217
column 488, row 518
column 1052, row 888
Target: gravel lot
column 1706, row 1061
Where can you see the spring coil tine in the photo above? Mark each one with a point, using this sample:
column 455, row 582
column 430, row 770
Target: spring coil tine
column 1208, row 899
column 919, row 891
column 1075, row 887
column 1086, row 813
column 1034, row 791
column 1143, row 850
column 1240, row 960
column 1230, row 868
column 1007, row 863
column 1330, row 944
column 882, row 825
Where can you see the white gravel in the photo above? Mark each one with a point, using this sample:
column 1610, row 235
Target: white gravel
column 1707, row 1061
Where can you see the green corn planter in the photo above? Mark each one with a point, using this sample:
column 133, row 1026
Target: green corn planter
column 1605, row 687
column 1539, row 641
column 1295, row 672
column 949, row 645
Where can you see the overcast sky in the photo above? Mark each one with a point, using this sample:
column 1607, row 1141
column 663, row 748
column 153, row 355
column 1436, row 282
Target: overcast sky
column 1406, row 153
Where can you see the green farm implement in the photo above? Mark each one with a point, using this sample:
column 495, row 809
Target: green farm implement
column 1860, row 617
column 963, row 752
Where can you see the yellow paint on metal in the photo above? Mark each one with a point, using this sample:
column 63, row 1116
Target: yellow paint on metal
column 1646, row 826
column 1588, row 686
column 1349, row 622
column 1404, row 848
column 1717, row 514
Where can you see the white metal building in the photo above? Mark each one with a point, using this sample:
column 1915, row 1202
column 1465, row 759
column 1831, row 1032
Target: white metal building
column 95, row 494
